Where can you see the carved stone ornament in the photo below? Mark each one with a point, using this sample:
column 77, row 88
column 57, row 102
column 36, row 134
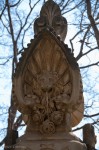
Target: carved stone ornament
column 47, row 82
column 50, row 16
column 47, row 86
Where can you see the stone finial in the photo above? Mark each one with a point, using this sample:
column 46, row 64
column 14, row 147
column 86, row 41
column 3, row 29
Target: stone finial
column 50, row 16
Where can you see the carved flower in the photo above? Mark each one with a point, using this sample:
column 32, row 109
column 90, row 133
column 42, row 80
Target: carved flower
column 47, row 127
column 37, row 117
column 57, row 117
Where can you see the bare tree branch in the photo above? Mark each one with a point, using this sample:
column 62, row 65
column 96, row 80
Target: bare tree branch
column 15, row 4
column 83, row 126
column 74, row 38
column 3, row 141
column 93, row 64
column 17, row 123
column 92, row 21
column 2, row 12
column 89, row 116
column 22, row 27
column 82, row 44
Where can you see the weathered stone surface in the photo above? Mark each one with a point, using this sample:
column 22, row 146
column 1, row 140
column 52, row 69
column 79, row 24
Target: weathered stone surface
column 59, row 141
column 50, row 16
column 47, row 87
column 45, row 83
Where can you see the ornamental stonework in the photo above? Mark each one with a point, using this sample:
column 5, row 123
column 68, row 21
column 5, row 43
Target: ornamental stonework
column 47, row 87
column 45, row 83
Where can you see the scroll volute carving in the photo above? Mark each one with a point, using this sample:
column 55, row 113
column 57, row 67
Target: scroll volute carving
column 50, row 16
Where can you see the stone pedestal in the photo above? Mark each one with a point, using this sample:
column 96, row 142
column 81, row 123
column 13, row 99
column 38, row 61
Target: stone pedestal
column 57, row 141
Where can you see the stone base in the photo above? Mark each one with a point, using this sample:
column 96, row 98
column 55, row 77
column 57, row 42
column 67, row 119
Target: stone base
column 59, row 141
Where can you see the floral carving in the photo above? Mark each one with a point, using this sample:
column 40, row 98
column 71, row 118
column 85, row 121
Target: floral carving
column 47, row 127
column 45, row 88
column 57, row 117
column 38, row 117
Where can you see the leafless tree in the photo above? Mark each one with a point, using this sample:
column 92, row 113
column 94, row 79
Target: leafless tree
column 16, row 21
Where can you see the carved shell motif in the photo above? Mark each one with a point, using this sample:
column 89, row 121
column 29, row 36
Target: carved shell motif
column 47, row 82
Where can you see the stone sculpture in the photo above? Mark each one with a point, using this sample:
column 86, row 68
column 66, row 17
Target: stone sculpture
column 50, row 16
column 47, row 87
